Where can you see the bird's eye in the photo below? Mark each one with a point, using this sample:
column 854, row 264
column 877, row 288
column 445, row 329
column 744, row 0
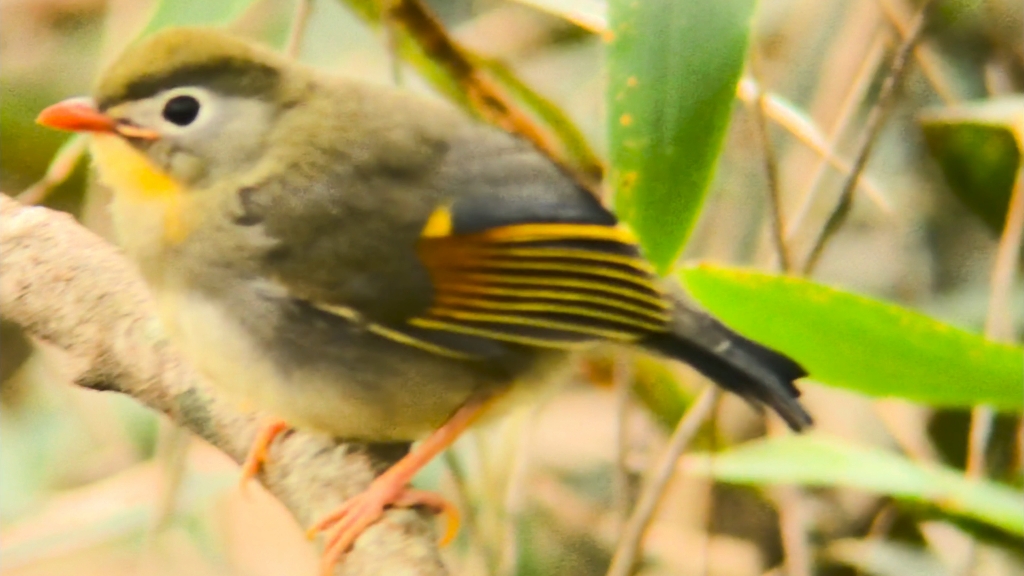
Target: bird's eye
column 181, row 110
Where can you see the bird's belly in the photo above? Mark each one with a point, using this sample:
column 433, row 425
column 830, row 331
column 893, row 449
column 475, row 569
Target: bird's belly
column 346, row 403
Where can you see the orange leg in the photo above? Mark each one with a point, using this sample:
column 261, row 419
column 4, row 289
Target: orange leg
column 258, row 451
column 390, row 490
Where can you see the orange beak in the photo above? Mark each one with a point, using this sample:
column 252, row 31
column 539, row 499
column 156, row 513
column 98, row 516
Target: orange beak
column 81, row 115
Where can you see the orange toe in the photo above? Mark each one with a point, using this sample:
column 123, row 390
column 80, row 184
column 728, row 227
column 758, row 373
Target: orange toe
column 411, row 498
column 258, row 451
column 342, row 527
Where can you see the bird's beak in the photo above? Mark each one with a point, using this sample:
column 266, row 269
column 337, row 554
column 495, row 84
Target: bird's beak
column 81, row 115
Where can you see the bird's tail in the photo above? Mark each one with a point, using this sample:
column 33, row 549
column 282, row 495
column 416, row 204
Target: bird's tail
column 758, row 374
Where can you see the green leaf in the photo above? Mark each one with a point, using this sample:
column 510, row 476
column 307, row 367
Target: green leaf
column 862, row 344
column 884, row 557
column 978, row 146
column 195, row 13
column 818, row 461
column 673, row 66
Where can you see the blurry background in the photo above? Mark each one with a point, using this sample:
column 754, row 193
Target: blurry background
column 94, row 484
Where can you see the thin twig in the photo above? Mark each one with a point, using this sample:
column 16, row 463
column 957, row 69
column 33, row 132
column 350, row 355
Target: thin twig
column 982, row 419
column 868, row 138
column 771, row 172
column 464, row 498
column 790, row 503
column 705, row 564
column 485, row 95
column 394, row 54
column 883, row 521
column 792, row 525
column 999, row 321
column 654, row 487
column 917, row 447
column 801, row 127
column 998, row 326
column 60, row 169
column 847, row 109
column 490, row 490
column 172, row 449
column 303, row 8
column 515, row 494
column 622, row 380
column 792, row 509
column 927, row 59
column 880, row 525
column 1020, row 447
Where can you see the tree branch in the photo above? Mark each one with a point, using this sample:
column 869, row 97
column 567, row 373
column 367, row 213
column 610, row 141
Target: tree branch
column 68, row 287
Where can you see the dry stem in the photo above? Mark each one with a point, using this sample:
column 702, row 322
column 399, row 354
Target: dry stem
column 654, row 486
column 873, row 127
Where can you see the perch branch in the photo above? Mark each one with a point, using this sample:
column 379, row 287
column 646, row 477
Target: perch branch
column 771, row 172
column 66, row 286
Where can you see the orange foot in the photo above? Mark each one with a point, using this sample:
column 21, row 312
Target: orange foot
column 348, row 521
column 391, row 489
column 258, row 451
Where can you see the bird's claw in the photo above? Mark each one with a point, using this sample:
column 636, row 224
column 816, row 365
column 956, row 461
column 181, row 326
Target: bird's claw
column 344, row 525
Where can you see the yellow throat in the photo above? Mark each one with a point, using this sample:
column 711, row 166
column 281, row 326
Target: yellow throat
column 136, row 181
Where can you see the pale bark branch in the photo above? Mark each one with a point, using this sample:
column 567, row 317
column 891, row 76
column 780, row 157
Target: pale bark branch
column 66, row 286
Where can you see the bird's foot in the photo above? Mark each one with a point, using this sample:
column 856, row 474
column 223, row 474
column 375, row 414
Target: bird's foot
column 342, row 527
column 258, row 451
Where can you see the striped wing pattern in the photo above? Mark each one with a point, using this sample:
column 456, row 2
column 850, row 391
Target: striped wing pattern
column 546, row 285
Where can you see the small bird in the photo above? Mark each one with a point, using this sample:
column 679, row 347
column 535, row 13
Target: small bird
column 359, row 261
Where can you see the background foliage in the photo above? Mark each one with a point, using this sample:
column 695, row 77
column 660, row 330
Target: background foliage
column 730, row 130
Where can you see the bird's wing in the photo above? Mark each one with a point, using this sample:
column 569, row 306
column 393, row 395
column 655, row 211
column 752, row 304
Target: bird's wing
column 559, row 285
column 509, row 252
column 552, row 285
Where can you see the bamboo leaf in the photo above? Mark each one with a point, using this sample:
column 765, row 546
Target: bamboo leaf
column 673, row 66
column 854, row 342
column 820, row 461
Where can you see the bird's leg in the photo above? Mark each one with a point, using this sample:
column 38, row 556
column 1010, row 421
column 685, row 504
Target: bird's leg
column 390, row 490
column 258, row 451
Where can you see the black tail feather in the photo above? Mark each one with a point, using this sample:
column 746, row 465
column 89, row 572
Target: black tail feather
column 742, row 366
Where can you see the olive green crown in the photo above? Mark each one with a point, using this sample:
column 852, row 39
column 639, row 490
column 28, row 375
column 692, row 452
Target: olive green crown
column 190, row 57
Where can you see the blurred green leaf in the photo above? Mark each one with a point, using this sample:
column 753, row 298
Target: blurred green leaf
column 673, row 66
column 818, row 461
column 862, row 344
column 978, row 146
column 195, row 13
column 27, row 146
column 885, row 558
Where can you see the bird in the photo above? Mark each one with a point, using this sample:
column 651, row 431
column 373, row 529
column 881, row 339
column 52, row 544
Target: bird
column 360, row 261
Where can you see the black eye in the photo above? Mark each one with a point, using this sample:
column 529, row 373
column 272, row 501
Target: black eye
column 181, row 110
